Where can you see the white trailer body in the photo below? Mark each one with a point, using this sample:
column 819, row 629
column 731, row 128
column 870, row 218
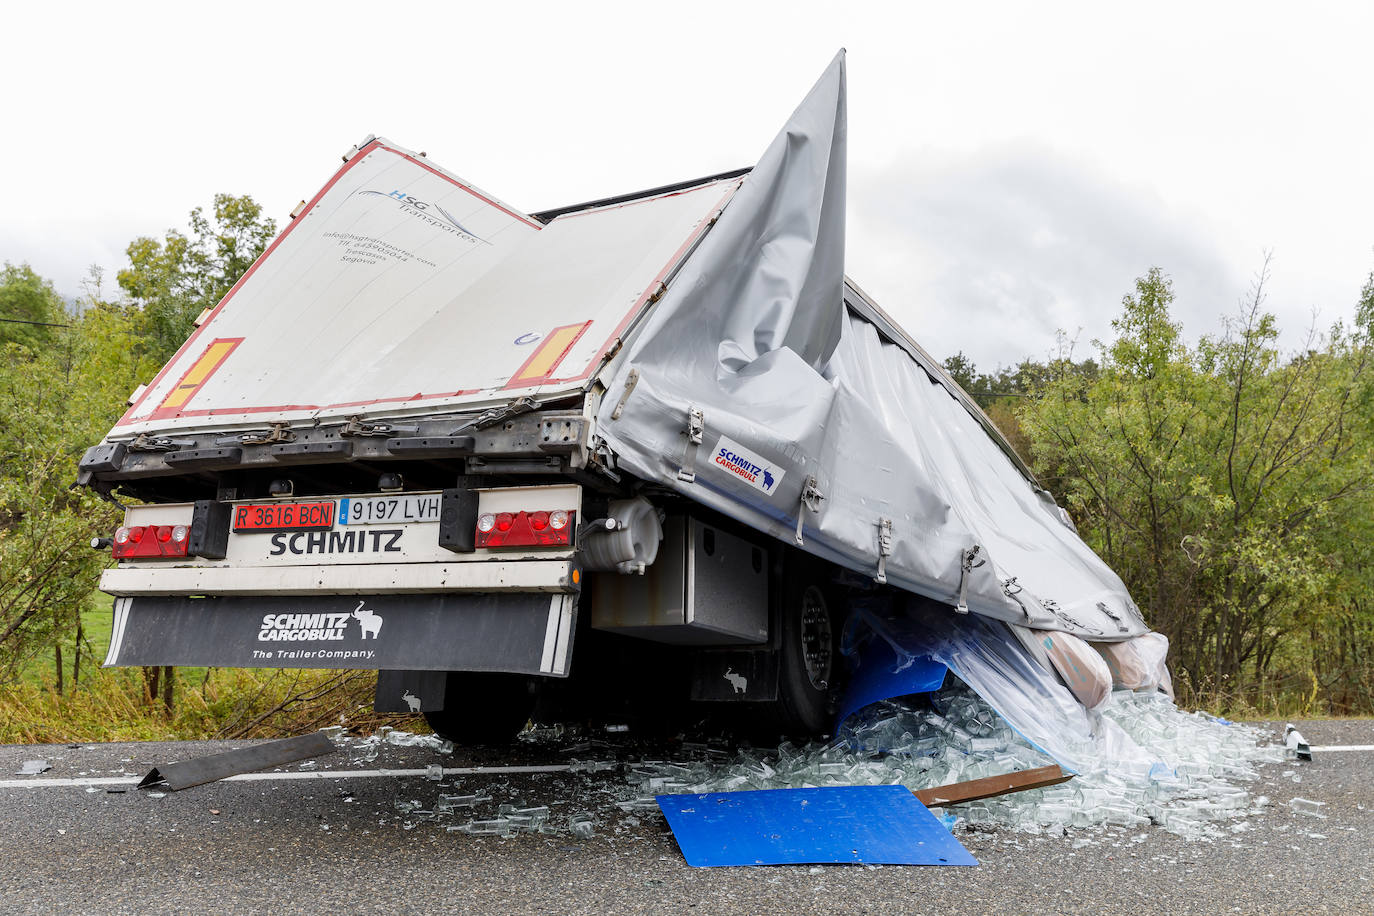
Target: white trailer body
column 422, row 417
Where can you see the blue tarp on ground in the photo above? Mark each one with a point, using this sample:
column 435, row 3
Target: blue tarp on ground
column 881, row 825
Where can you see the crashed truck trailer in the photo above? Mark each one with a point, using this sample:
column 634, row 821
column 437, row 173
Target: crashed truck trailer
column 435, row 436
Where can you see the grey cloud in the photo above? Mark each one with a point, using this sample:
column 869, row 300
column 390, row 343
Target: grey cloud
column 993, row 253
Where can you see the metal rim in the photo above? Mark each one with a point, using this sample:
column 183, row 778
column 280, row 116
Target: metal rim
column 816, row 638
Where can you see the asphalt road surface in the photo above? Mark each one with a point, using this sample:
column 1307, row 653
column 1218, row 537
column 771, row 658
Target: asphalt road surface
column 336, row 845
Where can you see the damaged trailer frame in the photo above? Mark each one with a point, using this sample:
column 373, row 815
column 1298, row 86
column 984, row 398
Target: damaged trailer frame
column 661, row 434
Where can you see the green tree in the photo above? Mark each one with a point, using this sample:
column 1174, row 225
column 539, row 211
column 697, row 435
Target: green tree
column 55, row 401
column 30, row 309
column 963, row 371
column 1000, row 393
column 172, row 281
column 1221, row 482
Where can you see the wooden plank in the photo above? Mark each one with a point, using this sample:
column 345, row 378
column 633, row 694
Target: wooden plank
column 989, row 786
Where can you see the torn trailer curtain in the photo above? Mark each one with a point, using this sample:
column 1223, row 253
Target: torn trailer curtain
column 764, row 385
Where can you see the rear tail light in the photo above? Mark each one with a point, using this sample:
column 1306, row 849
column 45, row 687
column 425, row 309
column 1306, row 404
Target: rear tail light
column 137, row 542
column 526, row 529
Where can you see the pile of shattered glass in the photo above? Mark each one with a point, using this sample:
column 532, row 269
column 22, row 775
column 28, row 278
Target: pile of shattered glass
column 1136, row 758
column 1193, row 782
column 509, row 818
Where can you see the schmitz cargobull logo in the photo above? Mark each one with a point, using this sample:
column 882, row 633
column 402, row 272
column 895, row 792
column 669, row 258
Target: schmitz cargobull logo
column 323, row 627
column 743, row 464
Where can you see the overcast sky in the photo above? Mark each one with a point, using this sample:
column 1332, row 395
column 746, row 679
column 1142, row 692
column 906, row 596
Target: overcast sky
column 1013, row 166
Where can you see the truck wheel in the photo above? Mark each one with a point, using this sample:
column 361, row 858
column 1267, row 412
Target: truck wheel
column 483, row 707
column 808, row 659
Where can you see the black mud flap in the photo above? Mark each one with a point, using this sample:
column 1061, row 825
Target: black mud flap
column 405, row 691
column 521, row 633
column 735, row 676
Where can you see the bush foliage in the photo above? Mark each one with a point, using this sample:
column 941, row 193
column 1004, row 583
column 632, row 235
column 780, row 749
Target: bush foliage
column 1228, row 484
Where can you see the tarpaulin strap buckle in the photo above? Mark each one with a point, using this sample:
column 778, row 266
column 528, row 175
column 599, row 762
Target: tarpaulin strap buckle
column 1011, row 588
column 1053, row 607
column 696, row 429
column 969, row 565
column 884, row 549
column 811, row 497
column 1116, row 618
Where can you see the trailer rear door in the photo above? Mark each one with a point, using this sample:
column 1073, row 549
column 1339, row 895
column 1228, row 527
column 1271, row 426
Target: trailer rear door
column 403, row 289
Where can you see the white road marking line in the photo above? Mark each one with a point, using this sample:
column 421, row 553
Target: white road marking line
column 57, row 783
column 1343, row 747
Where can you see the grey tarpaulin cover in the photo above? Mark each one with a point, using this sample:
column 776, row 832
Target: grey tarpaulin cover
column 765, row 386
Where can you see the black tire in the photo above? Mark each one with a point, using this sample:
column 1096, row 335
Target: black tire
column 809, row 667
column 483, row 707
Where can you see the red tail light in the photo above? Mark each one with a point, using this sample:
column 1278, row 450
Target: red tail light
column 526, row 529
column 144, row 542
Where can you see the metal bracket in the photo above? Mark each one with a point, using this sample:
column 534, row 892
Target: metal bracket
column 969, row 565
column 631, row 381
column 696, row 430
column 811, row 497
column 884, row 549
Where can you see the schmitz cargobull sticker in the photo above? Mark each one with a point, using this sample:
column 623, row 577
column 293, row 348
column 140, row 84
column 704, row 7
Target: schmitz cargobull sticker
column 739, row 462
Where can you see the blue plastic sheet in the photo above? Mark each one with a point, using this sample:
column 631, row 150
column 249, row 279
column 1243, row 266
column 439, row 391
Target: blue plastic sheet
column 886, row 672
column 884, row 825
column 890, row 648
